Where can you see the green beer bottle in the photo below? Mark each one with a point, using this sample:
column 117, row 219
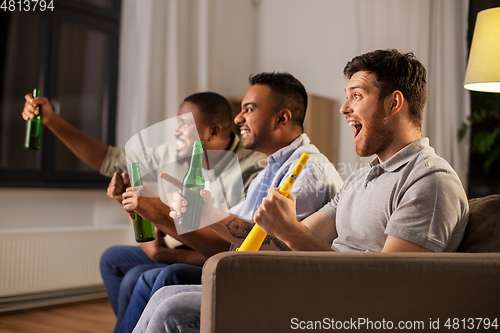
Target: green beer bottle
column 143, row 229
column 33, row 136
column 192, row 183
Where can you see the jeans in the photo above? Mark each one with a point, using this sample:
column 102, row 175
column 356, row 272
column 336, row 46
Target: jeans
column 172, row 309
column 115, row 263
column 151, row 281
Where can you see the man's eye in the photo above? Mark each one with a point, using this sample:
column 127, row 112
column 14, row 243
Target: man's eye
column 356, row 96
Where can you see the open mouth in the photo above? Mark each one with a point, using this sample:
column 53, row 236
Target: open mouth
column 180, row 144
column 357, row 127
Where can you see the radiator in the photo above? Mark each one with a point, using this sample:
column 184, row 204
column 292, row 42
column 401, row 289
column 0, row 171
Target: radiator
column 54, row 264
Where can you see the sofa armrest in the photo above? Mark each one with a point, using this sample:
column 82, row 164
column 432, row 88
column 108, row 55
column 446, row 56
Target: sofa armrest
column 265, row 291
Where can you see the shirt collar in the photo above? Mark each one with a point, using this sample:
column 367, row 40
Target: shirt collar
column 227, row 157
column 282, row 155
column 403, row 156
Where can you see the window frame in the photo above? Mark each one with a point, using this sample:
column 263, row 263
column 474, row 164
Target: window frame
column 86, row 16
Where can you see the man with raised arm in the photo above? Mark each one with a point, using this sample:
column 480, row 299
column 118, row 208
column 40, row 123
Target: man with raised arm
column 121, row 266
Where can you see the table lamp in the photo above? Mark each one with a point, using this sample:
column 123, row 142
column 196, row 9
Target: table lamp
column 483, row 68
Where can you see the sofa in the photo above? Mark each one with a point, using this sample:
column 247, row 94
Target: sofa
column 364, row 292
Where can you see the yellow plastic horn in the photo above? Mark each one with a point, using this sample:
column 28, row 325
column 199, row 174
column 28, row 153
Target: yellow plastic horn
column 256, row 236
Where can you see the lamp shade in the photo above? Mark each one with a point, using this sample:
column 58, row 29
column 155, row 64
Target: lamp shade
column 483, row 69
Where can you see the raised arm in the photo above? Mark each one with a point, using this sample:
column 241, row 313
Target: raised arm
column 86, row 148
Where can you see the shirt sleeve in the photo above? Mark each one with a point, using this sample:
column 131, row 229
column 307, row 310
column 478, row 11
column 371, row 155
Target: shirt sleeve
column 114, row 160
column 330, row 208
column 428, row 211
column 315, row 187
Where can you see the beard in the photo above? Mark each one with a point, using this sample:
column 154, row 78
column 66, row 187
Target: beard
column 378, row 134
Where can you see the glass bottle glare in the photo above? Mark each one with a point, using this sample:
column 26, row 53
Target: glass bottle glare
column 33, row 137
column 143, row 229
column 192, row 183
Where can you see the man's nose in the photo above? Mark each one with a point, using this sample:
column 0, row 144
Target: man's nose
column 239, row 119
column 177, row 130
column 345, row 108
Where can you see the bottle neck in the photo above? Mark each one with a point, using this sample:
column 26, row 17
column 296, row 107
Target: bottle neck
column 197, row 157
column 194, row 176
column 135, row 174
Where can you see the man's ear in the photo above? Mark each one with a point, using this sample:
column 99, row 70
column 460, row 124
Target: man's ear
column 397, row 100
column 215, row 130
column 284, row 117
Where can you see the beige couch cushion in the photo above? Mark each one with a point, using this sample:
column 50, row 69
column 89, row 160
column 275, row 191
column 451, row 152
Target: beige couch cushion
column 483, row 229
column 254, row 292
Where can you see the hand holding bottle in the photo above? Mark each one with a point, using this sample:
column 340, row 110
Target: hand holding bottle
column 179, row 205
column 209, row 214
column 143, row 201
column 144, row 230
column 33, row 134
column 194, row 208
column 192, row 184
column 117, row 186
column 30, row 108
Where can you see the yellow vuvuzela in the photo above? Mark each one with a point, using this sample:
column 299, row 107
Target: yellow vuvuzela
column 256, row 236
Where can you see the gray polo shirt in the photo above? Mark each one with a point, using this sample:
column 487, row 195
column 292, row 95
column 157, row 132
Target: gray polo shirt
column 415, row 195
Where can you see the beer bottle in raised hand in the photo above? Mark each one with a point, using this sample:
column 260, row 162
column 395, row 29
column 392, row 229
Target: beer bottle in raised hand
column 33, row 137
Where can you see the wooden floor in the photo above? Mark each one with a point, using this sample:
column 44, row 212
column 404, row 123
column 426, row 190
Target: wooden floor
column 83, row 317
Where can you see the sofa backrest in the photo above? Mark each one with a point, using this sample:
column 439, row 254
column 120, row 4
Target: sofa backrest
column 483, row 229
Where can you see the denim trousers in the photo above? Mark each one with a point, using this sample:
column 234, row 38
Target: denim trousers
column 172, row 309
column 149, row 282
column 120, row 268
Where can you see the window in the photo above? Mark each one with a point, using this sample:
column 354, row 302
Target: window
column 71, row 55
